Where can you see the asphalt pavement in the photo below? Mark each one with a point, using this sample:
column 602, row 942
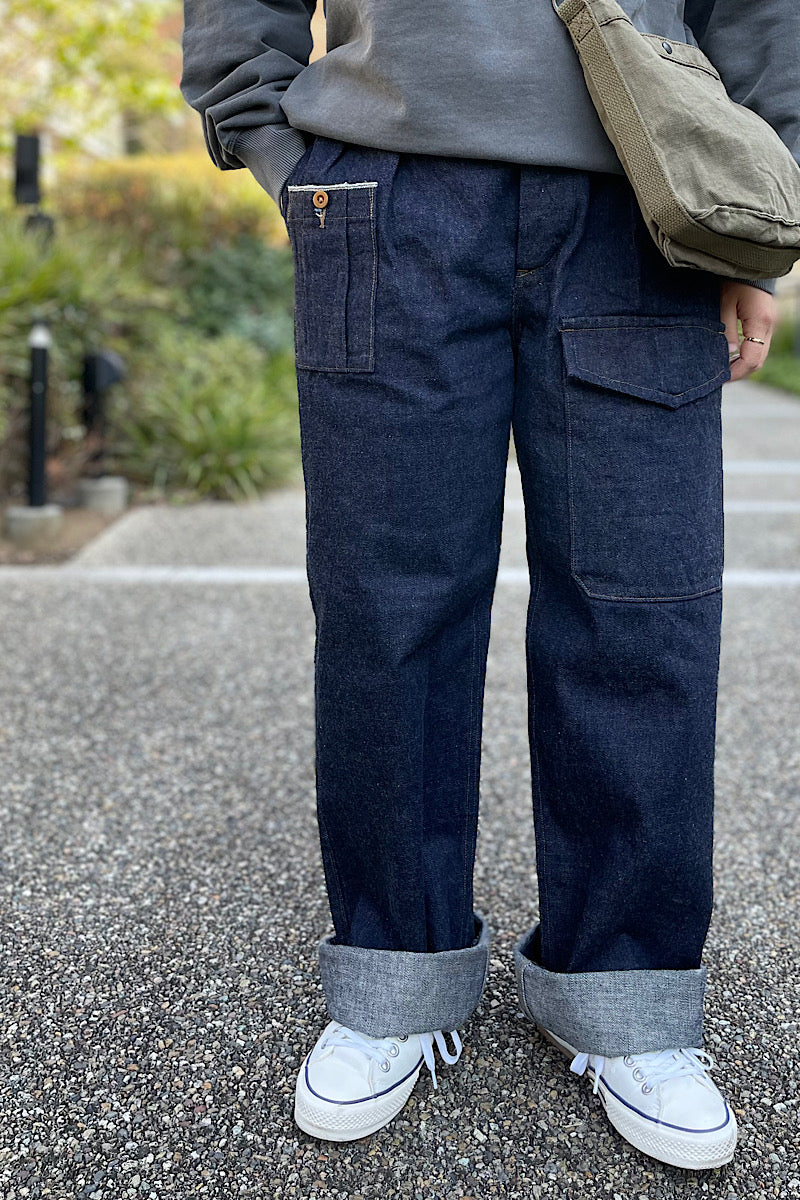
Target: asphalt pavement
column 163, row 894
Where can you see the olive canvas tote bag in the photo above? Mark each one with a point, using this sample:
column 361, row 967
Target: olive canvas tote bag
column 718, row 188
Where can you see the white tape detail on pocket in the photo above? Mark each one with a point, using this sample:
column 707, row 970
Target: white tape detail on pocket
column 329, row 187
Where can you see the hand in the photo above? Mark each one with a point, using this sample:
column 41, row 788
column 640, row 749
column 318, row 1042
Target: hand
column 758, row 312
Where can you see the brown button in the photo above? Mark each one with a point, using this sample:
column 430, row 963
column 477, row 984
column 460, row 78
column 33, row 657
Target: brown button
column 320, row 198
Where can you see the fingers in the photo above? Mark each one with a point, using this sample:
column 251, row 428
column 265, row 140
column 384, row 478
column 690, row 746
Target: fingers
column 757, row 311
column 728, row 315
column 751, row 357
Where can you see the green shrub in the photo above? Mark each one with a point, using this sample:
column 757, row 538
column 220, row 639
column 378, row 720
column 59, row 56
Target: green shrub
column 782, row 366
column 77, row 284
column 781, row 371
column 214, row 417
column 188, row 275
column 243, row 286
column 168, row 203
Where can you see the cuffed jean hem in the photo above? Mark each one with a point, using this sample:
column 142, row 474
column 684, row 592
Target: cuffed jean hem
column 612, row 1012
column 385, row 992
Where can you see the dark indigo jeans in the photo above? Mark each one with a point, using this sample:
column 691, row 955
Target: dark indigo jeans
column 441, row 302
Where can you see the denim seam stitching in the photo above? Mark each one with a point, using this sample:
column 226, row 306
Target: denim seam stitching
column 709, row 383
column 514, row 321
column 370, row 365
column 306, row 367
column 345, row 912
column 523, row 271
column 657, row 323
column 573, row 564
column 544, row 909
column 299, row 282
column 645, row 599
column 470, row 759
column 570, row 473
column 371, row 359
column 330, row 220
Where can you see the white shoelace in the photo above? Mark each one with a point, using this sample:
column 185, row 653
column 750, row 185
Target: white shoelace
column 655, row 1067
column 378, row 1048
column 426, row 1042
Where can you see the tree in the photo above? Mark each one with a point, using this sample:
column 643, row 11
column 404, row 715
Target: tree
column 71, row 67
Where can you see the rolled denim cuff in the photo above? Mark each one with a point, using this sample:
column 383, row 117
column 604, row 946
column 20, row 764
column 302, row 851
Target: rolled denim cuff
column 385, row 992
column 612, row 1012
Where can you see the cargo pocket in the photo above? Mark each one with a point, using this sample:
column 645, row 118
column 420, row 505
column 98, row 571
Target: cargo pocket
column 331, row 228
column 643, row 418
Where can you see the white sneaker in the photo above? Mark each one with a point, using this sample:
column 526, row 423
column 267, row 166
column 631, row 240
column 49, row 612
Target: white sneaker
column 662, row 1102
column 350, row 1085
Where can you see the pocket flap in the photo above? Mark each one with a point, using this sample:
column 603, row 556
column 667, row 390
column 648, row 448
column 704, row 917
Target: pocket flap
column 682, row 53
column 667, row 359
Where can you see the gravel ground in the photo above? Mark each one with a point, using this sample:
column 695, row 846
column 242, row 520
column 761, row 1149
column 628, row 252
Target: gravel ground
column 163, row 898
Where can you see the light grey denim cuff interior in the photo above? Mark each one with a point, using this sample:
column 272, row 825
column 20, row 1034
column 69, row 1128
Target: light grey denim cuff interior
column 271, row 152
column 385, row 992
column 612, row 1012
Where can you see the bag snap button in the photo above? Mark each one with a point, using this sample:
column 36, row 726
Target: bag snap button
column 667, row 47
column 320, row 198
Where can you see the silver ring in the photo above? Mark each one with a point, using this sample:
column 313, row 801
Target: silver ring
column 752, row 339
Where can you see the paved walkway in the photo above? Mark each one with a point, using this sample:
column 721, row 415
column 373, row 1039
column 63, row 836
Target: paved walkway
column 163, row 894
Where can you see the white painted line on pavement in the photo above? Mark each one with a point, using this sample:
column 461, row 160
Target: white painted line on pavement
column 153, row 573
column 283, row 575
column 762, row 466
column 730, row 578
column 755, row 412
column 183, row 574
column 737, row 506
column 762, row 506
column 742, row 578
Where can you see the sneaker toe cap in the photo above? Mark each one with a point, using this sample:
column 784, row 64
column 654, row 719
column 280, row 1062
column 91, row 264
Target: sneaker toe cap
column 696, row 1106
column 337, row 1081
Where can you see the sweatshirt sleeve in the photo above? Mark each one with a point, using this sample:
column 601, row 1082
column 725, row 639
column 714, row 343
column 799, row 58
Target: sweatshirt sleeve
column 756, row 49
column 239, row 56
column 766, row 285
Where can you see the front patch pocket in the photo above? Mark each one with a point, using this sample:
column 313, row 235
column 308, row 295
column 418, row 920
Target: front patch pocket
column 643, row 415
column 332, row 233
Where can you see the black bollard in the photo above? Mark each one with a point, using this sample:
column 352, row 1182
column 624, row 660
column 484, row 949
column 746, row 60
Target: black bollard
column 100, row 370
column 39, row 342
column 26, row 169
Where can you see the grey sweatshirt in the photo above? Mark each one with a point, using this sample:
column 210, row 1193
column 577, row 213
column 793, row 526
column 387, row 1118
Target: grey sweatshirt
column 496, row 79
